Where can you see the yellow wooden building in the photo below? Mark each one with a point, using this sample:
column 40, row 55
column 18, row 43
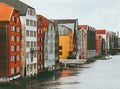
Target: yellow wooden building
column 65, row 41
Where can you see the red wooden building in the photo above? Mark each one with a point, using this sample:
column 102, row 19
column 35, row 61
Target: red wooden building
column 42, row 25
column 10, row 43
column 100, row 42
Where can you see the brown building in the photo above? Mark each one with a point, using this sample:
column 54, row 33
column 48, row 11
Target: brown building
column 101, row 43
column 10, row 43
column 88, row 42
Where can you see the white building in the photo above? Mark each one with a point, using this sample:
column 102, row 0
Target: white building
column 31, row 42
column 49, row 48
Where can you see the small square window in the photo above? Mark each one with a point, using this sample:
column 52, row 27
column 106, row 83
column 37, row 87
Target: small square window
column 12, row 48
column 12, row 38
column 13, row 28
column 12, row 70
column 13, row 58
column 17, row 48
column 18, row 39
column 17, row 29
column 18, row 57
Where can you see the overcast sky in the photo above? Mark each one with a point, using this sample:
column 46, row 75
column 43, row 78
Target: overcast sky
column 101, row 14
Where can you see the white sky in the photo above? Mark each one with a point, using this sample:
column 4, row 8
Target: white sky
column 101, row 14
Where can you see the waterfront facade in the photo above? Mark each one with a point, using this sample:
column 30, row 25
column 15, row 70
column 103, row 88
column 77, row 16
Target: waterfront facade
column 10, row 43
column 113, row 40
column 29, row 38
column 42, row 25
column 30, row 44
column 83, row 41
column 87, row 35
column 49, row 48
column 31, row 41
column 102, row 41
column 91, row 42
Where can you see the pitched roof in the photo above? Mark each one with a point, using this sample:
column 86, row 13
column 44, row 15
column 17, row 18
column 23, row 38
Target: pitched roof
column 83, row 26
column 5, row 12
column 19, row 5
column 45, row 21
column 102, row 31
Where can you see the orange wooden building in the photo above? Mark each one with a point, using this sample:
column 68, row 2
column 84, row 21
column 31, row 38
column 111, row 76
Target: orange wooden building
column 10, row 43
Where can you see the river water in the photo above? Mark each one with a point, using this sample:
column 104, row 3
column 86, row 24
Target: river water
column 101, row 74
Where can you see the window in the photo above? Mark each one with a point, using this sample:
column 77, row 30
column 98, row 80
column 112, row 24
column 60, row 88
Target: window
column 40, row 56
column 13, row 18
column 13, row 28
column 18, row 57
column 41, row 31
column 27, row 55
column 60, row 53
column 31, row 23
column 18, row 39
column 12, row 38
column 35, row 54
column 31, row 44
column 34, row 33
column 34, row 23
column 41, row 66
column 38, row 66
column 12, row 70
column 28, row 12
column 17, row 29
column 60, row 47
column 52, row 36
column 40, row 47
column 27, row 33
column 27, row 44
column 40, row 39
column 31, row 33
column 12, row 48
column 17, row 48
column 39, row 22
column 12, row 58
column 31, row 59
column 18, row 69
column 34, row 13
column 17, row 19
column 35, row 44
column 38, row 31
column 31, row 12
column 27, row 22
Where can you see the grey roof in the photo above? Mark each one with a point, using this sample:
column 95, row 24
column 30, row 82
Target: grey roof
column 19, row 5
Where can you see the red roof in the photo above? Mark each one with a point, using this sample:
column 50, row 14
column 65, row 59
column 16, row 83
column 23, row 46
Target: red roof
column 82, row 26
column 100, row 31
column 5, row 12
column 45, row 21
